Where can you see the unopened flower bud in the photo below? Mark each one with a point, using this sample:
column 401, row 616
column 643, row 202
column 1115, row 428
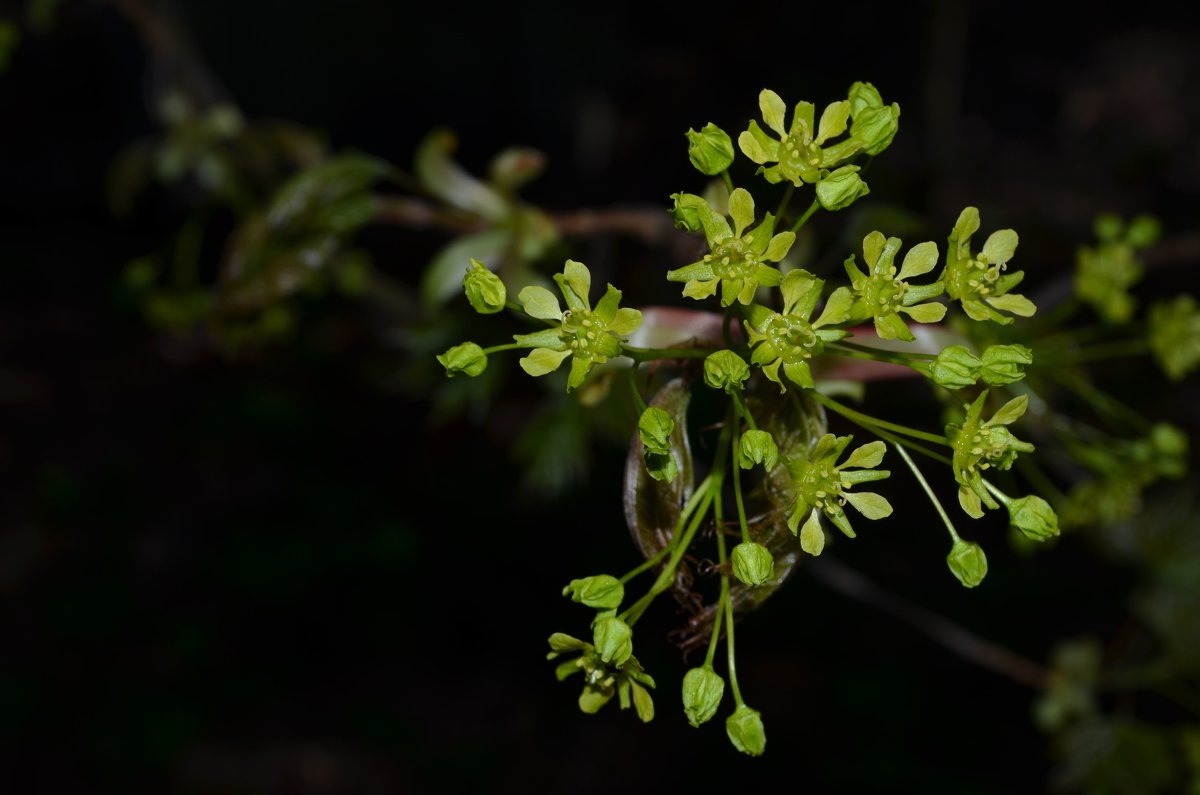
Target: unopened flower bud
column 613, row 640
column 710, row 150
column 686, row 211
column 702, row 691
column 655, row 427
column 745, row 730
column 1004, row 364
column 841, row 188
column 955, row 367
column 484, row 289
column 725, row 370
column 466, row 358
column 1034, row 517
column 757, row 447
column 752, row 563
column 601, row 592
column 967, row 562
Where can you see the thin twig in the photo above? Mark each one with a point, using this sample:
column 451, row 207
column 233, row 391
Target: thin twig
column 957, row 639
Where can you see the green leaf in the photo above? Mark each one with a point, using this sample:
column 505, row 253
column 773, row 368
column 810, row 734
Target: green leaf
column 317, row 188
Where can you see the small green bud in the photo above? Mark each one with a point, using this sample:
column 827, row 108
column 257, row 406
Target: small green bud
column 1034, row 517
column 601, row 592
column 841, row 188
column 1108, row 227
column 967, row 562
column 875, row 124
column 1004, row 364
column 655, row 427
column 745, row 730
column 955, row 367
column 661, row 466
column 710, row 150
column 752, row 563
column 702, row 691
column 613, row 640
column 757, row 447
column 467, row 358
column 1175, row 335
column 725, row 370
column 686, row 212
column 1170, row 448
column 484, row 289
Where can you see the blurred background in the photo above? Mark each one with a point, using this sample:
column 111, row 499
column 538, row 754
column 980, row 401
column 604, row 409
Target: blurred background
column 286, row 556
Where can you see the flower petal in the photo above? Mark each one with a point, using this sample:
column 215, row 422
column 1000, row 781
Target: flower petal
column 920, row 259
column 802, row 120
column 869, row 504
column 540, row 303
column 779, row 246
column 716, row 228
column 799, row 373
column 579, row 278
column 867, row 456
column 970, row 503
column 773, row 110
column 1015, row 303
column 626, row 321
column 741, row 208
column 925, row 313
column 579, row 370
column 837, row 308
column 1010, row 412
column 700, row 289
column 833, row 121
column 892, row 327
column 872, row 247
column 697, row 270
column 541, row 361
column 812, row 537
column 549, row 338
column 1000, row 246
column 757, row 145
column 606, row 309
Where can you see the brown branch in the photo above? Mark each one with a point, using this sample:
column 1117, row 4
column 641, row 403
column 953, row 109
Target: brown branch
column 957, row 639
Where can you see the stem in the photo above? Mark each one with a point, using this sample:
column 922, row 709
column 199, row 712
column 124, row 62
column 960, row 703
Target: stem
column 928, row 491
column 787, row 198
column 870, row 423
column 1004, row 498
column 812, row 208
column 728, row 180
column 640, row 355
column 728, row 605
column 920, row 448
column 716, row 631
column 511, row 346
column 737, row 492
column 1105, row 403
column 688, row 507
column 667, row 575
column 891, row 357
column 638, row 402
column 744, row 410
column 854, row 346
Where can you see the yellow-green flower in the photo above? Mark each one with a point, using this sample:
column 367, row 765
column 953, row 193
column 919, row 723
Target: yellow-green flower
column 822, row 486
column 602, row 680
column 801, row 151
column 589, row 336
column 787, row 340
column 736, row 258
column 979, row 446
column 884, row 293
column 978, row 281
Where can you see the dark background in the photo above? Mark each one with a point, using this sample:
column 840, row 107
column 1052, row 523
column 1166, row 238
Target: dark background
column 276, row 574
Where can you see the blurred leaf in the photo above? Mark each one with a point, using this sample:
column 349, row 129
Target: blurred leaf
column 329, row 196
column 445, row 179
column 1117, row 757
